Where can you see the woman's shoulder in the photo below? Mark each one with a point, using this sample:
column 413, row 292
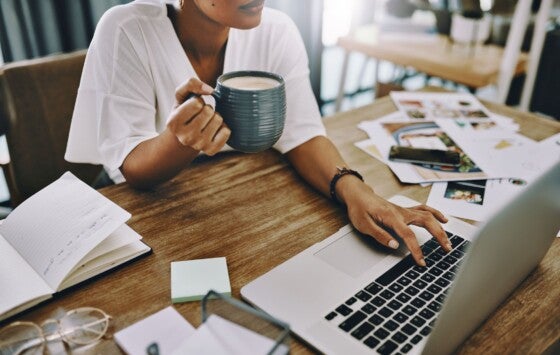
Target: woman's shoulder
column 120, row 16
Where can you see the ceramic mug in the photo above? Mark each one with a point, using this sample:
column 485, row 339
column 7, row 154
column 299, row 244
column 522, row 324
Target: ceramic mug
column 253, row 106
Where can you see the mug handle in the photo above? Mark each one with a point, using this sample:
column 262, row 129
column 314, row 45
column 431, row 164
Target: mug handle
column 208, row 99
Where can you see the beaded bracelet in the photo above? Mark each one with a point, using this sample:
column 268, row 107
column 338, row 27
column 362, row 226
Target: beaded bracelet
column 341, row 172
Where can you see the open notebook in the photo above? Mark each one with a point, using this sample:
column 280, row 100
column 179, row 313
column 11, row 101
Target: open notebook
column 64, row 234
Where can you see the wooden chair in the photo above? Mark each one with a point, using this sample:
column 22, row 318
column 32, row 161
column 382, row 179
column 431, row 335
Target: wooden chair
column 36, row 103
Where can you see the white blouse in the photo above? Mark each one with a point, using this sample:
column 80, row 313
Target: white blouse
column 135, row 62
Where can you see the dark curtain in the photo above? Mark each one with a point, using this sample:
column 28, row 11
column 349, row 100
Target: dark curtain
column 308, row 17
column 35, row 28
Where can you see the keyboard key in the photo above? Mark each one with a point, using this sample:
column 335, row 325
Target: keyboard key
column 433, row 322
column 373, row 288
column 364, row 296
column 362, row 330
column 417, row 302
column 418, row 321
column 426, row 249
column 400, row 317
column 429, row 264
column 411, row 290
column 443, row 265
column 434, row 289
column 420, row 269
column 399, row 337
column 426, row 331
column 371, row 342
column 455, row 241
column 426, row 313
column 395, row 287
column 416, row 339
column 435, row 257
column 405, row 281
column 385, row 312
column 428, row 277
column 390, row 325
column 419, row 284
column 381, row 333
column 378, row 301
column 403, row 297
column 449, row 275
column 368, row 308
column 387, row 348
column 375, row 319
column 434, row 306
column 432, row 243
column 454, row 268
column 406, row 348
column 330, row 316
column 387, row 294
column 394, row 305
column 464, row 247
column 396, row 271
column 435, row 271
column 351, row 301
column 457, row 254
column 440, row 298
column 409, row 329
column 408, row 309
column 442, row 282
column 344, row 310
column 450, row 259
column 426, row 295
column 412, row 274
column 352, row 321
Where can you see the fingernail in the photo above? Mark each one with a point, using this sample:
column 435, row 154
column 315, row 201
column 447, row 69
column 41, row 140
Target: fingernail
column 422, row 262
column 393, row 244
column 207, row 87
column 448, row 245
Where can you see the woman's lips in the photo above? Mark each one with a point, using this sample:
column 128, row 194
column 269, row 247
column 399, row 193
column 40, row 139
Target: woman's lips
column 253, row 7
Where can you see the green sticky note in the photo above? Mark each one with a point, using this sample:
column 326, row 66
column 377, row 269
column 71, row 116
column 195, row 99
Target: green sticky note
column 192, row 279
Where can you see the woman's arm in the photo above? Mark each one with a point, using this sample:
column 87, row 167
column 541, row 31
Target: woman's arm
column 317, row 160
column 193, row 127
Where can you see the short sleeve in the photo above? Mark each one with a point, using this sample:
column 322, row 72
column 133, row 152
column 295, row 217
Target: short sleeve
column 115, row 107
column 303, row 119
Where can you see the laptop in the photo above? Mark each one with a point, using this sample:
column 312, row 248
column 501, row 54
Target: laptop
column 349, row 295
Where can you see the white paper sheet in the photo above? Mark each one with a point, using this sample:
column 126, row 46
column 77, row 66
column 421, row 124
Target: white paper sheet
column 218, row 336
column 475, row 200
column 166, row 328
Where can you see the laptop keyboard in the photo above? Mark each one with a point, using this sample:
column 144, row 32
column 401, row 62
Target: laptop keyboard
column 400, row 307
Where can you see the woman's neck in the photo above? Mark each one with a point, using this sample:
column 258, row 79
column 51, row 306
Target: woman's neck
column 203, row 40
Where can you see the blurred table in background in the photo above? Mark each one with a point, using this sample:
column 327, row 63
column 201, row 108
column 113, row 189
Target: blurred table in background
column 474, row 66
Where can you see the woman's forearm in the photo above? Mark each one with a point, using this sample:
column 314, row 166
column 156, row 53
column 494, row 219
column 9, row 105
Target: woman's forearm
column 156, row 160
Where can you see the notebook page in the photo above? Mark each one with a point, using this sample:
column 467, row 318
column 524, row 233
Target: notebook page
column 19, row 283
column 55, row 228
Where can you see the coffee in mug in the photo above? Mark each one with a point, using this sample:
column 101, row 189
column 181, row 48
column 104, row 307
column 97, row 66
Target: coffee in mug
column 253, row 106
column 251, row 83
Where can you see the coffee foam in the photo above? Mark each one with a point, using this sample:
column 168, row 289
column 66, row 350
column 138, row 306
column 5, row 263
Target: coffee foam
column 251, row 83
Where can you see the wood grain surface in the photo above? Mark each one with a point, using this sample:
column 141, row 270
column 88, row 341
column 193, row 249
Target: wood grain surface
column 255, row 210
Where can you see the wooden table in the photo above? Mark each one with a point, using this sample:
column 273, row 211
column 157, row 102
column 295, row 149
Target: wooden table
column 257, row 212
column 433, row 54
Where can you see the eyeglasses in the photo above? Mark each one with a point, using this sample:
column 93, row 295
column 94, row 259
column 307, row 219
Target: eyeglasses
column 79, row 326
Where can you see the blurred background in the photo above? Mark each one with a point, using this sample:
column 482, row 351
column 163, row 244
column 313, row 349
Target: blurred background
column 37, row 28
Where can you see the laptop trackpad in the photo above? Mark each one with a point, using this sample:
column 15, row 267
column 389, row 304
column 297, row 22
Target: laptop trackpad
column 354, row 254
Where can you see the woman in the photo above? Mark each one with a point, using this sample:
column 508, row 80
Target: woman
column 132, row 117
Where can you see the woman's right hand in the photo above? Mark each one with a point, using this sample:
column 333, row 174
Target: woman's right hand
column 195, row 124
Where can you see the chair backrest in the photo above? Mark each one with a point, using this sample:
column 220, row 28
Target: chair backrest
column 38, row 98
